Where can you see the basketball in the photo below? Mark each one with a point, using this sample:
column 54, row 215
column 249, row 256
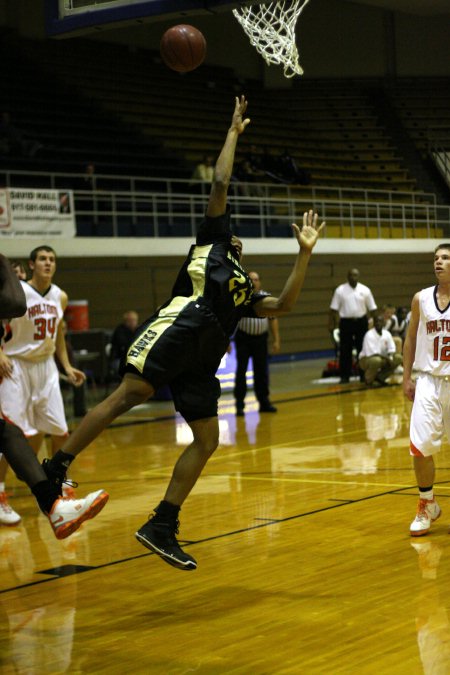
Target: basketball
column 183, row 48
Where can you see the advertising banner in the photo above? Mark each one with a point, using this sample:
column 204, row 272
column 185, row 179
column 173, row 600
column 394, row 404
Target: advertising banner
column 36, row 213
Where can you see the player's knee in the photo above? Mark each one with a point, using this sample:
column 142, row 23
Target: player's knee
column 208, row 443
column 122, row 401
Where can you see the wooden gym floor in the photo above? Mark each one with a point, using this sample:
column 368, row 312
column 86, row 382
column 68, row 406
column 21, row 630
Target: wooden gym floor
column 300, row 527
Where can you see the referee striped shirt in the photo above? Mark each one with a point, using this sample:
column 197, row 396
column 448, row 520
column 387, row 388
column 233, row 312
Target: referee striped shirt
column 255, row 325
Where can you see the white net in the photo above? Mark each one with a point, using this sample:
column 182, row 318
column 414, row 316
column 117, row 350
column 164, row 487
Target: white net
column 271, row 29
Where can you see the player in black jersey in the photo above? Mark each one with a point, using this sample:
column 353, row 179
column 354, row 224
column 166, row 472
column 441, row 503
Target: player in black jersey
column 183, row 342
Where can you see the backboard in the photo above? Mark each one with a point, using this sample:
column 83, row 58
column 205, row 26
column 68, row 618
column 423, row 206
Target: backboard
column 67, row 17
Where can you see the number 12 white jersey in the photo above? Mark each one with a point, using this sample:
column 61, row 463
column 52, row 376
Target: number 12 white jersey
column 32, row 336
column 433, row 335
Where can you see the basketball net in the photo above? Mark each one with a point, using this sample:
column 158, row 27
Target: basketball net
column 271, row 29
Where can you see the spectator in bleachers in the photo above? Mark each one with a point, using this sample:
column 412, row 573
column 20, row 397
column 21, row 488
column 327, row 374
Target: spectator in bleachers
column 14, row 141
column 402, row 322
column 391, row 325
column 89, row 179
column 121, row 339
column 255, row 160
column 378, row 357
column 204, row 171
column 291, row 172
column 86, row 202
column 252, row 170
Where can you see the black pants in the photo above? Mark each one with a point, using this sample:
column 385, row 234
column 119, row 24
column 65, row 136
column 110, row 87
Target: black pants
column 254, row 346
column 351, row 335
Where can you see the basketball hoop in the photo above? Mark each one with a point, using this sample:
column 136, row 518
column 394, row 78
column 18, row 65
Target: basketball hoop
column 271, row 29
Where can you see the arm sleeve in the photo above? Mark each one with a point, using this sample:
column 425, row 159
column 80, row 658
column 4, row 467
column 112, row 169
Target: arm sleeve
column 335, row 301
column 391, row 344
column 370, row 302
column 248, row 309
column 214, row 230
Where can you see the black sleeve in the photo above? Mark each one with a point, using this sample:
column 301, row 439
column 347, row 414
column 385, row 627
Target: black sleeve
column 214, row 230
column 248, row 309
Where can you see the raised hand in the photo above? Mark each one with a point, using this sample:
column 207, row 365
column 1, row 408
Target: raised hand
column 309, row 232
column 239, row 110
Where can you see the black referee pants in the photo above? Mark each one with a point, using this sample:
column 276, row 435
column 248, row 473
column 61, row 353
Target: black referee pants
column 351, row 335
column 254, row 346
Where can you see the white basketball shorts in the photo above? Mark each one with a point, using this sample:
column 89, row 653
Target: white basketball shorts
column 430, row 417
column 31, row 398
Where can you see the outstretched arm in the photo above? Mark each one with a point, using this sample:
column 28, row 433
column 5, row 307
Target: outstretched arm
column 12, row 296
column 409, row 349
column 307, row 237
column 224, row 165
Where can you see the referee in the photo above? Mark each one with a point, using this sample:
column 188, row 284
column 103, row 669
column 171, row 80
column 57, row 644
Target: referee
column 351, row 304
column 251, row 340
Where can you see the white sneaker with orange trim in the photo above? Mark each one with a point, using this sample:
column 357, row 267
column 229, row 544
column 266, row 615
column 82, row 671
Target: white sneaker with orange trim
column 428, row 511
column 7, row 515
column 67, row 515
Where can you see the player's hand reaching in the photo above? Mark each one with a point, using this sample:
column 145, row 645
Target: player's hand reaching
column 75, row 376
column 309, row 232
column 237, row 121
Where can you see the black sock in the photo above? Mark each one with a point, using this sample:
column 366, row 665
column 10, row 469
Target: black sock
column 46, row 494
column 427, row 489
column 167, row 511
column 63, row 458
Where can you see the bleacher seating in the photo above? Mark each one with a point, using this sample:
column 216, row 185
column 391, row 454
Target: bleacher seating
column 424, row 123
column 124, row 110
column 328, row 127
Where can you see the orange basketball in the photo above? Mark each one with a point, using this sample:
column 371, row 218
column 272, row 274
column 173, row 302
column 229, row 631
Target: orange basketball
column 183, row 48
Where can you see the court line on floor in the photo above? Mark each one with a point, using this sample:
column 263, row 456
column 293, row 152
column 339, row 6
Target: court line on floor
column 224, row 535
column 292, row 399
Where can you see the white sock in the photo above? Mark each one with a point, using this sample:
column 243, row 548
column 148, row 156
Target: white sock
column 2, row 487
column 427, row 495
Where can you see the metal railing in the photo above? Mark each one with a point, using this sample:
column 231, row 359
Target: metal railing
column 120, row 205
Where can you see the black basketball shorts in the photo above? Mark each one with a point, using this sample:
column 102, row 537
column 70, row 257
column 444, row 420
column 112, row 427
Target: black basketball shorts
column 183, row 351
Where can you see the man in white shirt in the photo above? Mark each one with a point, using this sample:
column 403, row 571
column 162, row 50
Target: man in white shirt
column 378, row 357
column 350, row 306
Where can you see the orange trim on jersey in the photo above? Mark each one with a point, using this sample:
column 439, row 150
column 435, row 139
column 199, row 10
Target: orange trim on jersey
column 8, row 420
column 415, row 451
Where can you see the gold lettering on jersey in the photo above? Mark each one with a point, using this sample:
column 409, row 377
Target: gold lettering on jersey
column 438, row 326
column 41, row 308
column 143, row 342
column 238, row 287
column 142, row 346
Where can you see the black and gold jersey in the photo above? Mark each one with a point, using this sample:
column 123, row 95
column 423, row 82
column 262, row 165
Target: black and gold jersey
column 192, row 330
column 212, row 275
column 187, row 336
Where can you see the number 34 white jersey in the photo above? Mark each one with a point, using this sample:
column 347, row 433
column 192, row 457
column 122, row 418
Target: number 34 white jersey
column 32, row 336
column 433, row 335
